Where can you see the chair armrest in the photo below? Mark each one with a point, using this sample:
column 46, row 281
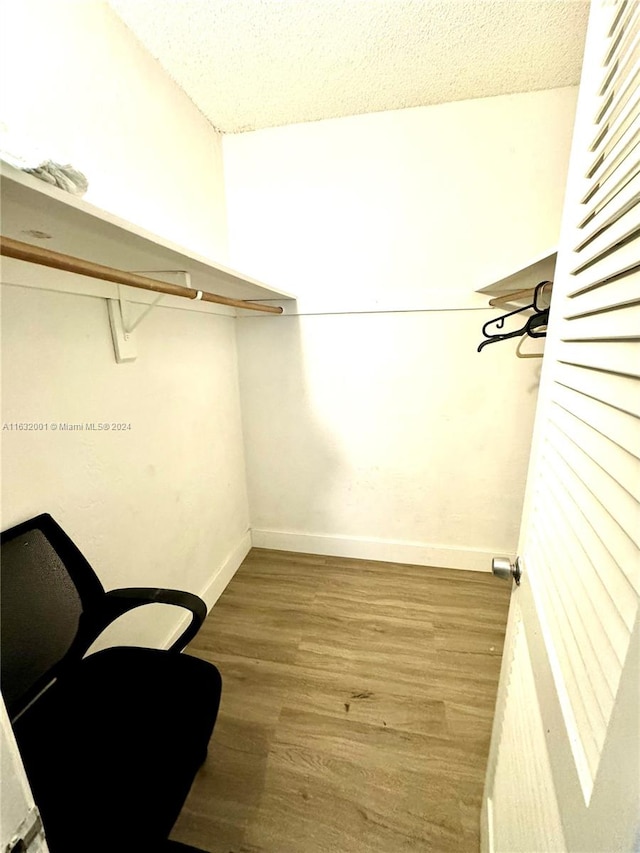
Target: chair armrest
column 119, row 601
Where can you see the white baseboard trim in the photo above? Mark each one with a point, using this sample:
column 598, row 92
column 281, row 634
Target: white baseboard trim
column 385, row 550
column 217, row 584
column 486, row 834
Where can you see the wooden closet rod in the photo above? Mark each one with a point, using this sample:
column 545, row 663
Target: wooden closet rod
column 505, row 298
column 527, row 293
column 57, row 260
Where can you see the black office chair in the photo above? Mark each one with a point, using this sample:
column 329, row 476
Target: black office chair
column 111, row 742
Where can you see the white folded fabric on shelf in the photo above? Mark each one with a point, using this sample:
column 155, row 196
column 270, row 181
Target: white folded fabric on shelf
column 31, row 158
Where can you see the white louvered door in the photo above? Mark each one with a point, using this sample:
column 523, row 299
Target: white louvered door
column 564, row 767
column 20, row 825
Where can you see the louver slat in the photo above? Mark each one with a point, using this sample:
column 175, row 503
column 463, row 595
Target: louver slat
column 617, row 324
column 618, row 392
column 610, row 135
column 619, row 203
column 605, row 191
column 610, row 421
column 626, row 257
column 622, row 65
column 624, row 290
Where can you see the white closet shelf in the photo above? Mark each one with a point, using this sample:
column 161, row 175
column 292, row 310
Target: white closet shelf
column 33, row 211
column 540, row 268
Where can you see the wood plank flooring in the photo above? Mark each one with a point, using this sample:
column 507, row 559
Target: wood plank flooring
column 356, row 708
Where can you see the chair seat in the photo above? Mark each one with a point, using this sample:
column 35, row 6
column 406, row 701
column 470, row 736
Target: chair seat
column 111, row 748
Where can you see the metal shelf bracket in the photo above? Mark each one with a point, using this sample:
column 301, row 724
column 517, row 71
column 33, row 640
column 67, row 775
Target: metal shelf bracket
column 121, row 322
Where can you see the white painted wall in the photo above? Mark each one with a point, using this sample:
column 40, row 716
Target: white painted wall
column 161, row 504
column 165, row 503
column 76, row 83
column 385, row 435
column 386, row 210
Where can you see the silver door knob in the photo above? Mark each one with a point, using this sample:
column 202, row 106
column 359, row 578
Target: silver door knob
column 502, row 567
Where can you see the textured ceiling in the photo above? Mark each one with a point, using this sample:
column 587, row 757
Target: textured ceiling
column 249, row 64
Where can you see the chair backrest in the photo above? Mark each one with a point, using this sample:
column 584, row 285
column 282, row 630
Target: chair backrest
column 46, row 585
